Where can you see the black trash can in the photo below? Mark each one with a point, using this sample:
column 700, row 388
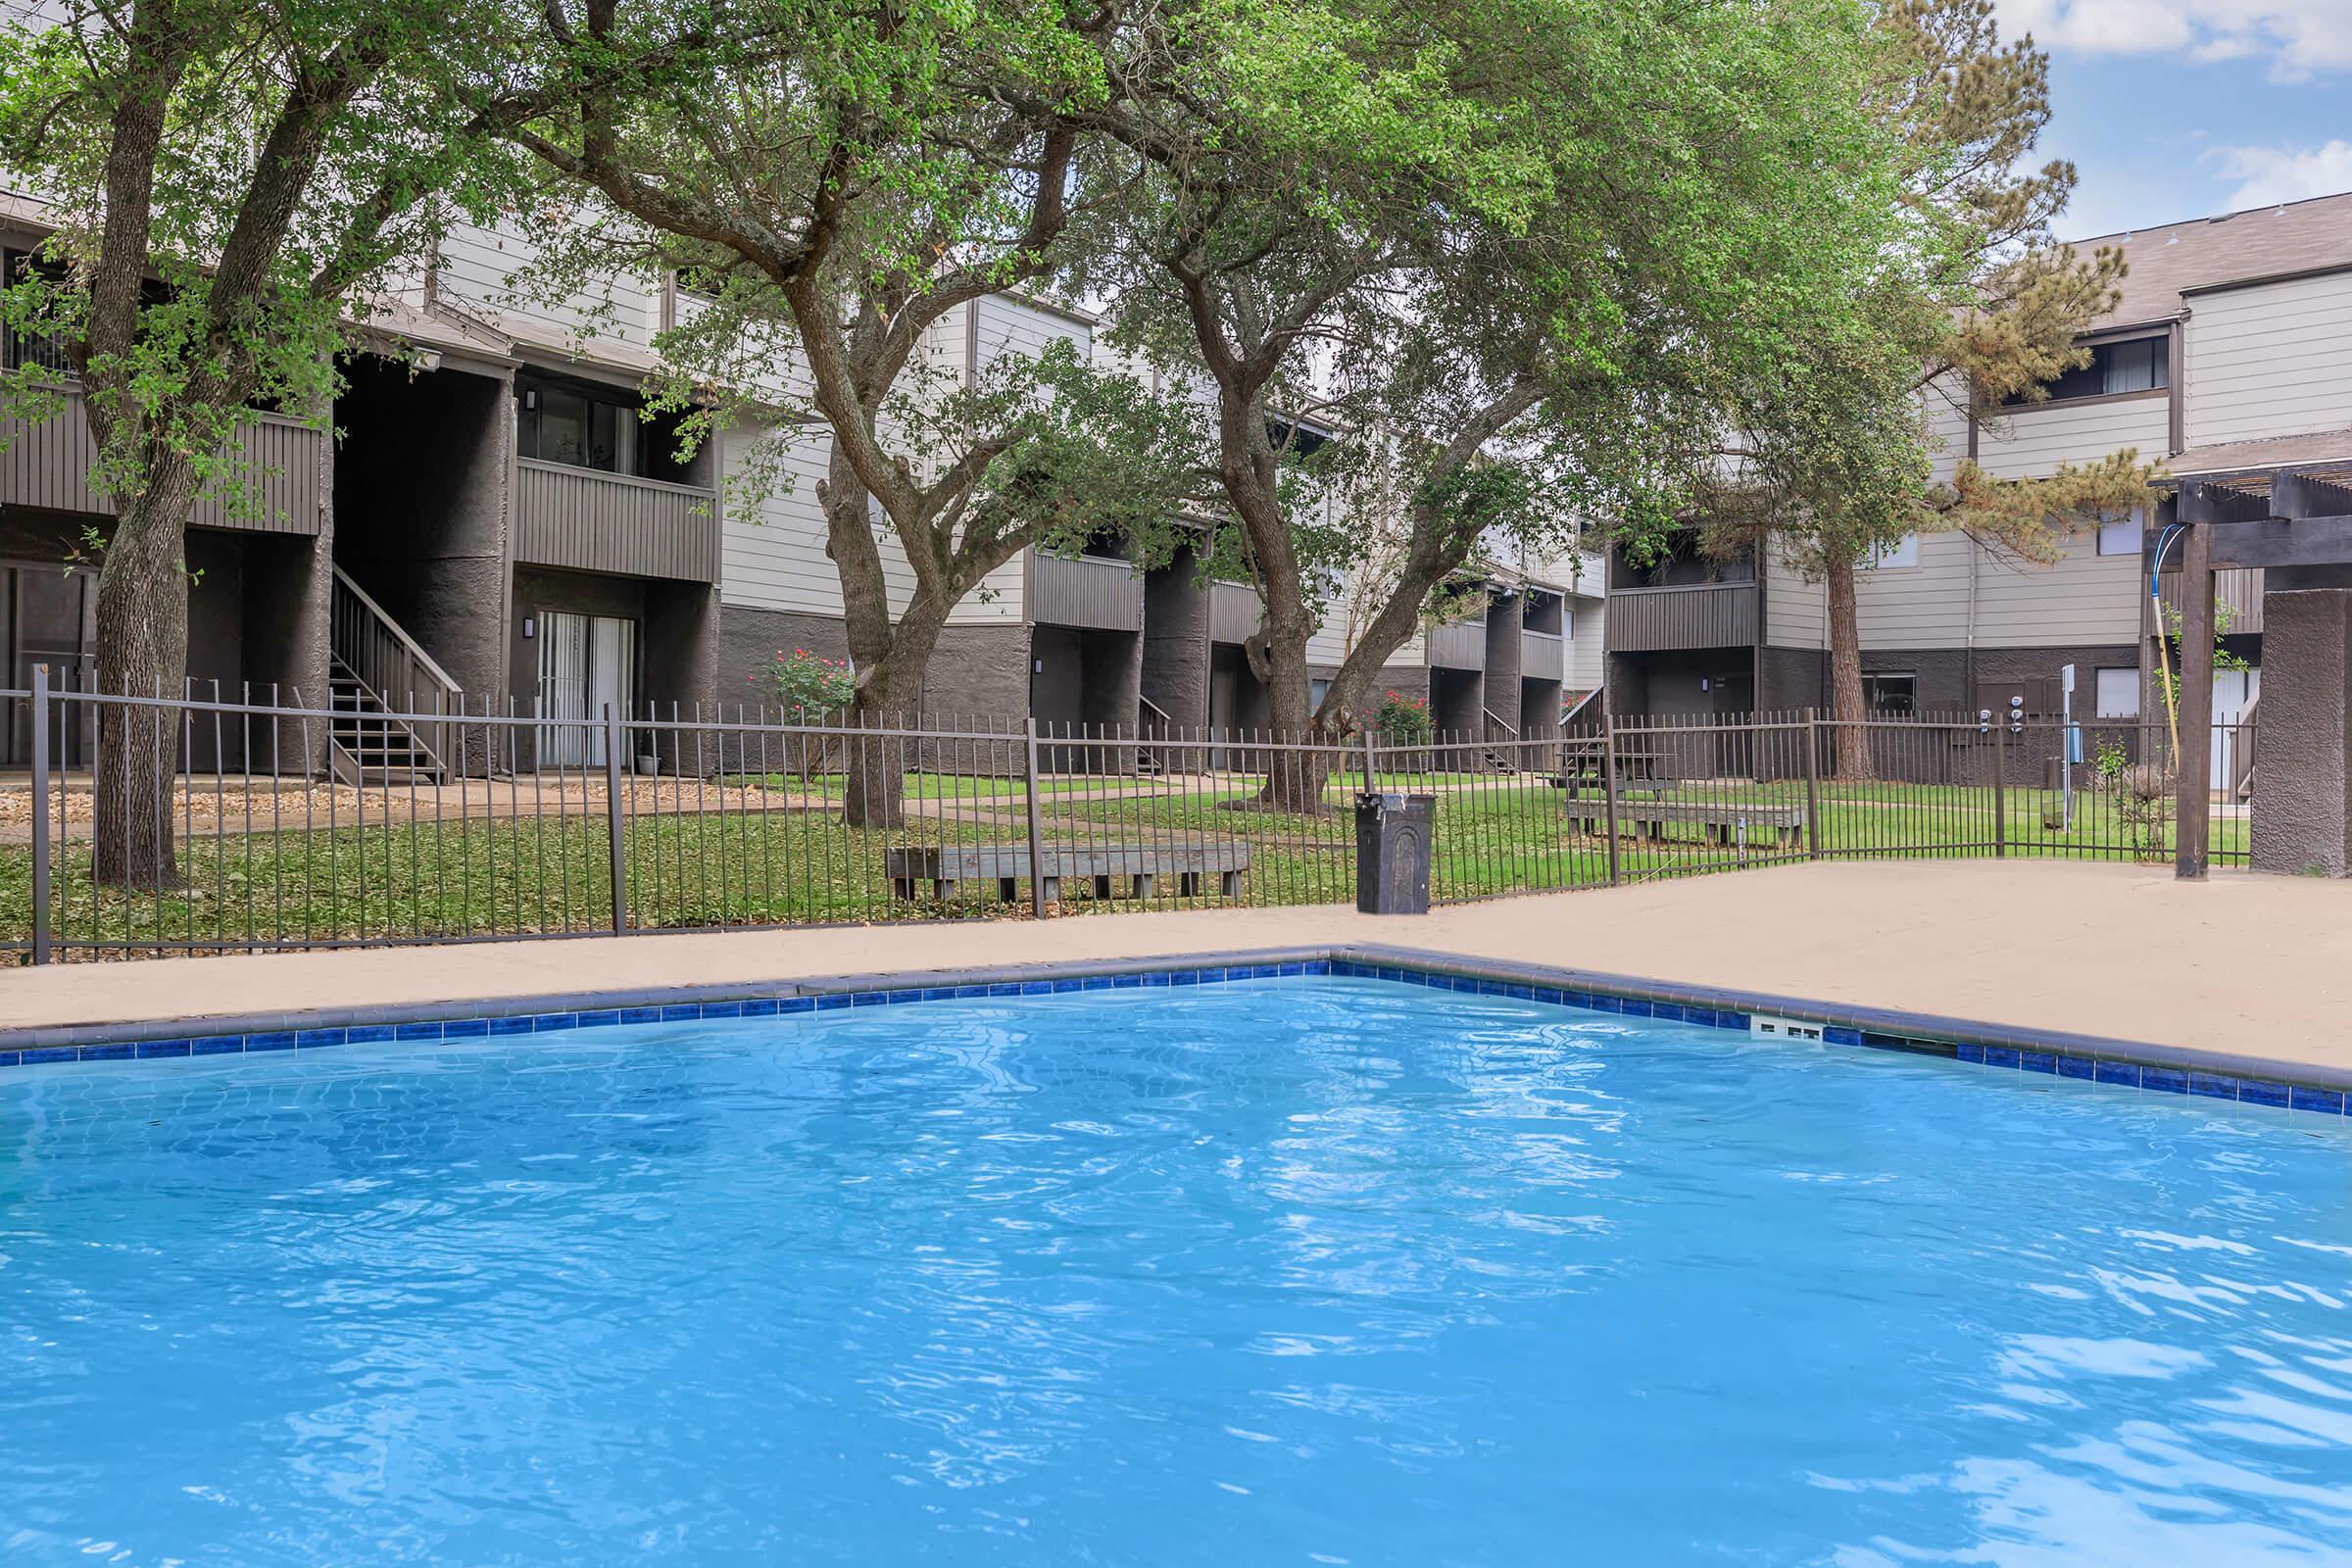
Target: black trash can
column 1391, row 853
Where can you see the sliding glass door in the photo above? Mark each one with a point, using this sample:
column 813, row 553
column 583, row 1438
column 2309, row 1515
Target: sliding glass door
column 585, row 663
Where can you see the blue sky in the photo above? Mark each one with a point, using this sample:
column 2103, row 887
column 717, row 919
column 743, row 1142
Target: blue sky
column 2177, row 109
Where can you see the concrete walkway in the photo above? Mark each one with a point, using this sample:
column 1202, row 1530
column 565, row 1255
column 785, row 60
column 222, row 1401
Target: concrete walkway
column 2258, row 967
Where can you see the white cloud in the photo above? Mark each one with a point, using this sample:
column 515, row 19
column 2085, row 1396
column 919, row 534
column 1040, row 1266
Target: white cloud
column 2269, row 175
column 2297, row 36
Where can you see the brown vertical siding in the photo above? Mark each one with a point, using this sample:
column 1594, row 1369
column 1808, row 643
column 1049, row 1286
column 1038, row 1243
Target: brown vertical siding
column 47, row 464
column 2236, row 598
column 1103, row 595
column 1539, row 656
column 1460, row 646
column 1234, row 613
column 1700, row 616
column 586, row 520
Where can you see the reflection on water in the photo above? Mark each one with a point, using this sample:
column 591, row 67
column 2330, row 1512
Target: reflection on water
column 1287, row 1272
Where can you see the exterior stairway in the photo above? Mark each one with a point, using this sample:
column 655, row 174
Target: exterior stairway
column 372, row 746
column 377, row 669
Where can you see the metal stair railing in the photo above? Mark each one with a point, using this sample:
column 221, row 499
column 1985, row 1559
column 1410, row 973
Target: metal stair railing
column 390, row 667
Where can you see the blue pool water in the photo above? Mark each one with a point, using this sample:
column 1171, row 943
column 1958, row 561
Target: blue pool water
column 1296, row 1271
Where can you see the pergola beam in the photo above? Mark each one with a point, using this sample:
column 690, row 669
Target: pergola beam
column 2302, row 540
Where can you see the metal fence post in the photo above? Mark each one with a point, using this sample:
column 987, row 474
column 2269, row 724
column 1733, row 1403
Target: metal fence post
column 1608, row 777
column 620, row 860
column 1371, row 773
column 1813, row 782
column 40, row 813
column 1037, row 837
column 2001, row 786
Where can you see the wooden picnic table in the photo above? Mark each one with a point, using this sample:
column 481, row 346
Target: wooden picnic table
column 946, row 866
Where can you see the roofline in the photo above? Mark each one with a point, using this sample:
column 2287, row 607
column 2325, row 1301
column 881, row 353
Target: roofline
column 2206, row 217
column 2330, row 269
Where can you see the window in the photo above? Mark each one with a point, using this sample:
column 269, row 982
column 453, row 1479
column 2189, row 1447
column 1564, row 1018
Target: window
column 20, row 350
column 589, row 427
column 2120, row 536
column 2134, row 364
column 1567, row 624
column 2117, row 692
column 1316, row 691
column 1891, row 693
column 1904, row 552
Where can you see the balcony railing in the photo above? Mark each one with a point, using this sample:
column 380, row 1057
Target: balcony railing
column 1087, row 590
column 589, row 521
column 279, row 486
column 1706, row 614
column 2236, row 598
column 1462, row 645
column 1234, row 613
column 1541, row 656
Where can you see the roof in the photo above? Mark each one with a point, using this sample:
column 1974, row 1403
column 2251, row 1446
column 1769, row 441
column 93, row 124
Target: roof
column 2319, row 452
column 2232, row 248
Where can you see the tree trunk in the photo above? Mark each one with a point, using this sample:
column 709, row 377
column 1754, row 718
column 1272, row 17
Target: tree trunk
column 1295, row 777
column 1845, row 676
column 142, row 651
column 874, row 789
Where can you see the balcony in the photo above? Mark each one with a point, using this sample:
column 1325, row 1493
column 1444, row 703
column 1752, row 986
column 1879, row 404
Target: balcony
column 1234, row 613
column 1542, row 656
column 1092, row 592
column 47, row 464
column 2236, row 599
column 584, row 519
column 1461, row 644
column 1704, row 614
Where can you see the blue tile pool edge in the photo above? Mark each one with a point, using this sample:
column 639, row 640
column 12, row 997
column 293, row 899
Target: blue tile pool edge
column 2292, row 1086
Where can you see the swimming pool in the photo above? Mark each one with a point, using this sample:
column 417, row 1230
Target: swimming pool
column 1287, row 1271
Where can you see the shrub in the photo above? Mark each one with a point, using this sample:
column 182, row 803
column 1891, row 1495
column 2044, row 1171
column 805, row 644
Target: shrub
column 811, row 690
column 1402, row 720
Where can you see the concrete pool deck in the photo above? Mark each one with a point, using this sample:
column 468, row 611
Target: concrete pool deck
column 2258, row 968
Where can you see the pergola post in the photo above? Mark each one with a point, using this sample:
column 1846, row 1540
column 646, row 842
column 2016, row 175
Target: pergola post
column 2192, row 769
column 2293, row 523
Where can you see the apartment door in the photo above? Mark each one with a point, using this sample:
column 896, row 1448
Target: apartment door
column 1734, row 696
column 49, row 617
column 1224, row 694
column 585, row 663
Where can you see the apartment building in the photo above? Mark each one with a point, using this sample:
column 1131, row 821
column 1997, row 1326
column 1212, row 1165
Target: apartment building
column 493, row 523
column 2231, row 353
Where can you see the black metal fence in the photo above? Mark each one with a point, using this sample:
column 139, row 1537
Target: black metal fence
column 277, row 825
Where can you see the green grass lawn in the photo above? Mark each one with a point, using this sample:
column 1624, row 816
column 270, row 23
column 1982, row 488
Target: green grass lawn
column 1494, row 835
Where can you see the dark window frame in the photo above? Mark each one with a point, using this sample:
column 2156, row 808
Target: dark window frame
column 1875, row 695
column 2088, row 384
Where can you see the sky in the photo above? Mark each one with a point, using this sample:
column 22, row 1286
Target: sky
column 2179, row 109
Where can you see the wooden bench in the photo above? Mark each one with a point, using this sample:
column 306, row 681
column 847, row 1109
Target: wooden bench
column 947, row 866
column 1719, row 823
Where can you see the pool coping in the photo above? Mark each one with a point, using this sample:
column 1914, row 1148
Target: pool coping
column 2104, row 1059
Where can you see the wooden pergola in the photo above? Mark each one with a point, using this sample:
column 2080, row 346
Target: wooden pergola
column 2292, row 521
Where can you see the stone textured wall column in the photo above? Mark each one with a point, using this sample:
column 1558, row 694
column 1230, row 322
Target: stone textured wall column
column 2302, row 806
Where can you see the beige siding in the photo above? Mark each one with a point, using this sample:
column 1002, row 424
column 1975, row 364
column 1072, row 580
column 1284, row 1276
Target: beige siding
column 1588, row 627
column 1945, row 407
column 2271, row 359
column 1022, row 326
column 482, row 269
column 2086, row 598
column 1795, row 612
column 2024, row 443
column 1916, row 607
column 775, row 549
